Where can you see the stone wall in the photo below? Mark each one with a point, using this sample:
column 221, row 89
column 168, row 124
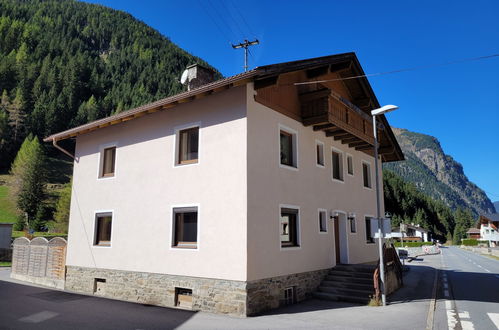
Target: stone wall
column 268, row 293
column 236, row 298
column 210, row 295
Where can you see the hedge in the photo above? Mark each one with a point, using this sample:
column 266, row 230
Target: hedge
column 469, row 242
column 412, row 244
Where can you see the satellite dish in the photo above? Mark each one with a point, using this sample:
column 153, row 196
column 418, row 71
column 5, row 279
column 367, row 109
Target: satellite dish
column 184, row 77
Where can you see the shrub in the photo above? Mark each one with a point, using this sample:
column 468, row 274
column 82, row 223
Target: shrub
column 469, row 242
column 412, row 244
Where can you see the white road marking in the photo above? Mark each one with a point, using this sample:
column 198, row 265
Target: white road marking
column 448, row 304
column 451, row 319
column 38, row 317
column 446, row 293
column 446, row 286
column 464, row 315
column 467, row 325
column 494, row 317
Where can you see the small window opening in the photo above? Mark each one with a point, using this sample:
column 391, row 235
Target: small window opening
column 183, row 298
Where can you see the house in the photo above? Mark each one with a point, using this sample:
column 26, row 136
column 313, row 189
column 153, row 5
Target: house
column 413, row 233
column 473, row 233
column 235, row 196
column 488, row 224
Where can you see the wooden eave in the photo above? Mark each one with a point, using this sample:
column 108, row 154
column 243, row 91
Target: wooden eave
column 360, row 101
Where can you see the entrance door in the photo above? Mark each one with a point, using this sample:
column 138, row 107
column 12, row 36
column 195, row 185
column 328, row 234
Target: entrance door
column 340, row 239
column 337, row 241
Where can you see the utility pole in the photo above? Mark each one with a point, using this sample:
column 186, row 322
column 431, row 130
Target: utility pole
column 245, row 45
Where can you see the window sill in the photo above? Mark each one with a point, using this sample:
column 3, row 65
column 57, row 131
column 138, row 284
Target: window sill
column 106, row 177
column 337, row 180
column 293, row 168
column 367, row 188
column 185, row 247
column 103, row 245
column 320, row 166
column 323, row 232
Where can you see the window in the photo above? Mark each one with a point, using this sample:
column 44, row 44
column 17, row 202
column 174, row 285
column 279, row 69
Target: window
column 108, row 160
column 319, row 146
column 349, row 164
column 188, row 145
column 366, row 170
column 103, row 223
column 289, row 295
column 369, row 233
column 353, row 225
column 287, row 142
column 337, row 166
column 186, row 227
column 289, row 227
column 322, row 221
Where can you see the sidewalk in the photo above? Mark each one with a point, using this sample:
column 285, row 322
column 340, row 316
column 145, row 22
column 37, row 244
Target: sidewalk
column 407, row 309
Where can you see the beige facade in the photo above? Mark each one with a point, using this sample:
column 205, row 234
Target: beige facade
column 238, row 186
column 265, row 233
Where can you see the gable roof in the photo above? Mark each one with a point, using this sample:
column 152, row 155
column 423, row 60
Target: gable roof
column 473, row 231
column 491, row 216
column 260, row 74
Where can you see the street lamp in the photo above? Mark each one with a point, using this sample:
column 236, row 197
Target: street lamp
column 374, row 113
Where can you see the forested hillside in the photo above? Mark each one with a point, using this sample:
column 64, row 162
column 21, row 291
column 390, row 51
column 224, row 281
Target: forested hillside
column 436, row 174
column 64, row 63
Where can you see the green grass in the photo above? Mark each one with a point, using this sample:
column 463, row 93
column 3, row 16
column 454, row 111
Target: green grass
column 5, row 263
column 7, row 207
column 412, row 244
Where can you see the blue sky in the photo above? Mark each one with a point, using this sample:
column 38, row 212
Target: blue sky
column 458, row 104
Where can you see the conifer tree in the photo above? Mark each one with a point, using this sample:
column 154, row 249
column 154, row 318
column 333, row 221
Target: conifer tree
column 28, row 181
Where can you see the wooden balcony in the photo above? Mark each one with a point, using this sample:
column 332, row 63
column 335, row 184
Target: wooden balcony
column 337, row 117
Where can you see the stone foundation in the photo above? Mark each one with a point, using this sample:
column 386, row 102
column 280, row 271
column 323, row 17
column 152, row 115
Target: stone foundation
column 237, row 298
column 268, row 293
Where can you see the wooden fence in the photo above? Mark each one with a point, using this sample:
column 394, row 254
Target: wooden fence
column 39, row 261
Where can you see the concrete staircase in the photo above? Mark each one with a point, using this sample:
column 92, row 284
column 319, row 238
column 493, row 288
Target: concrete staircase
column 352, row 283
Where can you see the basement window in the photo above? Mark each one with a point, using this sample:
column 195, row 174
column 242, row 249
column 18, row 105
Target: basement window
column 183, row 298
column 99, row 285
column 289, row 295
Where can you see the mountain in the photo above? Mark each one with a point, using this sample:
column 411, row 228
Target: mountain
column 496, row 205
column 64, row 63
column 436, row 173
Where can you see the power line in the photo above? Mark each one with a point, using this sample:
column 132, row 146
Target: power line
column 250, row 30
column 245, row 45
column 401, row 70
column 222, row 32
column 221, row 18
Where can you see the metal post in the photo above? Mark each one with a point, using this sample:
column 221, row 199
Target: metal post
column 378, row 216
column 245, row 45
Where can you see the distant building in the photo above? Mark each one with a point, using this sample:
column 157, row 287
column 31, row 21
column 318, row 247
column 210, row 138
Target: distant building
column 488, row 224
column 473, row 233
column 235, row 196
column 414, row 233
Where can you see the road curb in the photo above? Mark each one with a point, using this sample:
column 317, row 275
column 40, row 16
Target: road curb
column 433, row 303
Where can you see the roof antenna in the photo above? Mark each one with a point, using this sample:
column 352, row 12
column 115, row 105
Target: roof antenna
column 245, row 45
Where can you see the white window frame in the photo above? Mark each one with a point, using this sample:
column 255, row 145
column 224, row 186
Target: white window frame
column 319, row 211
column 370, row 174
column 350, row 227
column 353, row 166
column 342, row 164
column 100, row 161
column 320, row 143
column 176, row 143
column 298, row 227
column 95, row 229
column 294, row 137
column 172, row 226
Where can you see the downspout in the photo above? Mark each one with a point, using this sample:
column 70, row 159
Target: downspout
column 54, row 143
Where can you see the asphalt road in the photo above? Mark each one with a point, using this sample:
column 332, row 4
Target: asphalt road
column 469, row 290
column 28, row 307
